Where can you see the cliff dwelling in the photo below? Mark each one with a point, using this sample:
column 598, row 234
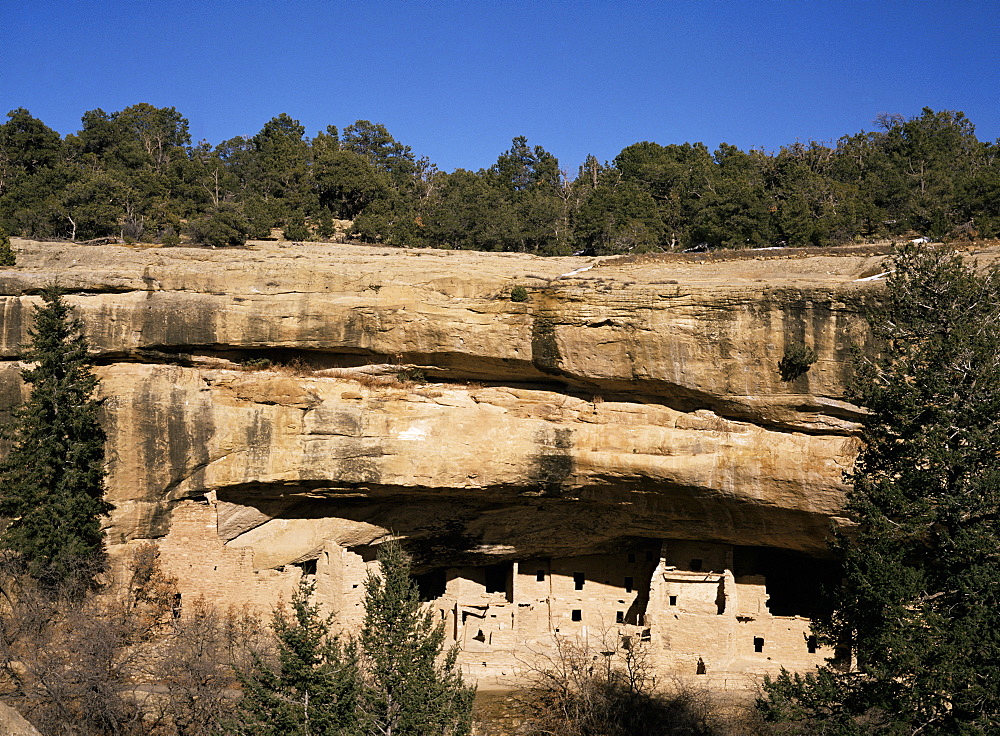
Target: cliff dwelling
column 704, row 609
column 616, row 459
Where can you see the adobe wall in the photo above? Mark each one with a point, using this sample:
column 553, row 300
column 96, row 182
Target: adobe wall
column 681, row 599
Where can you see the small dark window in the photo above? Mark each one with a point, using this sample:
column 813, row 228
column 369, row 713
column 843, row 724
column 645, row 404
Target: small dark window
column 631, row 558
column 577, row 615
column 696, row 565
column 650, row 556
column 758, row 644
column 540, row 576
column 673, row 600
column 812, row 644
column 308, row 567
column 628, row 584
column 701, row 669
column 578, row 580
column 620, row 617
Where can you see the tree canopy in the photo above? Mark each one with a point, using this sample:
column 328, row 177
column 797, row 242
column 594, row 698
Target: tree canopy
column 311, row 689
column 919, row 606
column 135, row 174
column 7, row 257
column 411, row 687
column 52, row 479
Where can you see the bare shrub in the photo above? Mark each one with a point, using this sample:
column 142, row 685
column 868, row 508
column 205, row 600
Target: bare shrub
column 577, row 690
column 195, row 666
column 122, row 661
column 69, row 664
column 295, row 367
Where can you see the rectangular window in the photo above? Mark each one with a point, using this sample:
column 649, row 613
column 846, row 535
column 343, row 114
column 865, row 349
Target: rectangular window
column 620, row 617
column 540, row 576
column 812, row 644
column 758, row 644
column 629, row 582
column 496, row 578
column 577, row 614
column 578, row 580
column 673, row 600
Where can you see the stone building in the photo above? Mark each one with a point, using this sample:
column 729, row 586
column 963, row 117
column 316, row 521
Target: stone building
column 702, row 608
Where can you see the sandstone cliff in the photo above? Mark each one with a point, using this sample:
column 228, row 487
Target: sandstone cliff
column 621, row 400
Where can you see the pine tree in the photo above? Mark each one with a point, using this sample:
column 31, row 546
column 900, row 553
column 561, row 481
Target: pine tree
column 7, row 257
column 411, row 687
column 312, row 688
column 393, row 680
column 52, row 480
column 919, row 605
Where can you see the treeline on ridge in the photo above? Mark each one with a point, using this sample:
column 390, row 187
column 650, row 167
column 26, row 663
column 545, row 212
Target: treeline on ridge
column 136, row 175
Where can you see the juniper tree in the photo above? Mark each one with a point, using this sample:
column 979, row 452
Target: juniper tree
column 52, row 480
column 311, row 689
column 919, row 605
column 411, row 687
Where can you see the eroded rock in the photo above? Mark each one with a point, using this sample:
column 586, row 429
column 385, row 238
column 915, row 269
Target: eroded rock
column 279, row 412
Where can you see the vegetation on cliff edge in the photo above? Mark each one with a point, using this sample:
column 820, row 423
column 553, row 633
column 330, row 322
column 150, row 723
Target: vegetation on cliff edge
column 136, row 175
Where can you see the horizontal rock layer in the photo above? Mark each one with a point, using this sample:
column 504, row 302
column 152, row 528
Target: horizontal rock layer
column 620, row 400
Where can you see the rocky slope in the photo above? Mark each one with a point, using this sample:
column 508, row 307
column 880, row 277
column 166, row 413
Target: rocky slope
column 623, row 399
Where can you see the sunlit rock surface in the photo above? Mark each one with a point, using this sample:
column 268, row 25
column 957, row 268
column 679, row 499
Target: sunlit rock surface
column 324, row 397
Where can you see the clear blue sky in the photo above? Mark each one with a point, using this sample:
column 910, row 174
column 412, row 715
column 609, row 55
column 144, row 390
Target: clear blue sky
column 458, row 80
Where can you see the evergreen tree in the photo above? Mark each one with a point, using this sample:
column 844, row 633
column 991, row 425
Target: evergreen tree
column 312, row 689
column 52, row 480
column 919, row 605
column 7, row 258
column 409, row 689
column 394, row 679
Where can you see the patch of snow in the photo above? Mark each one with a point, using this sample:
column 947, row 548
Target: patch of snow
column 574, row 273
column 876, row 277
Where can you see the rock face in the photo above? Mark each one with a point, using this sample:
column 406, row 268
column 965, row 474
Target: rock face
column 13, row 723
column 297, row 405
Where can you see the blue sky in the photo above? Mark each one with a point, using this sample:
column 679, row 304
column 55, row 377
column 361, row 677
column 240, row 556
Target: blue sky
column 458, row 80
